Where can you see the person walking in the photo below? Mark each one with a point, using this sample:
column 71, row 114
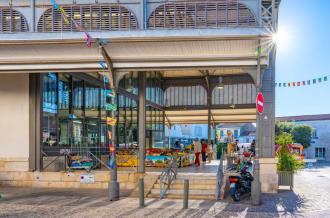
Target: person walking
column 204, row 150
column 210, row 152
column 197, row 150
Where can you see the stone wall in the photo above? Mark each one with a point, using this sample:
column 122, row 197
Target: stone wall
column 14, row 125
column 127, row 180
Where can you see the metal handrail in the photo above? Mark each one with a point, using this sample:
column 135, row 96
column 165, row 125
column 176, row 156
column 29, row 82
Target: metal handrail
column 220, row 175
column 167, row 176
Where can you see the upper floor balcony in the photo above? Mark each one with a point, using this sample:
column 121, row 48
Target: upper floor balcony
column 138, row 34
column 136, row 17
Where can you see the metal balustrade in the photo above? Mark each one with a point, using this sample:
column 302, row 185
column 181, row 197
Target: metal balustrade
column 12, row 21
column 91, row 17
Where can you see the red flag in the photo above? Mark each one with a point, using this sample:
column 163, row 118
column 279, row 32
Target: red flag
column 298, row 83
column 293, row 84
column 289, row 84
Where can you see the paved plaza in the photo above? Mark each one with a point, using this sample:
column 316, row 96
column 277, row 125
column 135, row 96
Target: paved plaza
column 310, row 198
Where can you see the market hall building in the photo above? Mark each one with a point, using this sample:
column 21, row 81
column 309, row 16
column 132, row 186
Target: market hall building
column 173, row 62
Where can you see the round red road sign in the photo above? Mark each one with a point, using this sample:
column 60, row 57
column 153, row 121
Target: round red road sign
column 260, row 103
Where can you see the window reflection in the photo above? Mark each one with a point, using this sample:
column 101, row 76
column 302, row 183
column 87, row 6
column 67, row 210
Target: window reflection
column 49, row 108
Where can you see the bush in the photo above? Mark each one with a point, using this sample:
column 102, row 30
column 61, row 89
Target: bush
column 286, row 160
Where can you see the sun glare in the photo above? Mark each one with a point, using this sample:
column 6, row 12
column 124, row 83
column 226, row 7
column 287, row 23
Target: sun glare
column 281, row 38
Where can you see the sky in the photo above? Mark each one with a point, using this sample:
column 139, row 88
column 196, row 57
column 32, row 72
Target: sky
column 303, row 53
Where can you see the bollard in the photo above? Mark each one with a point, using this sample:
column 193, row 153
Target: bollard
column 141, row 192
column 185, row 194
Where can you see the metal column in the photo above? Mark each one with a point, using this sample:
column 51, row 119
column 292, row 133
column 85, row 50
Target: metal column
column 142, row 122
column 33, row 13
column 209, row 99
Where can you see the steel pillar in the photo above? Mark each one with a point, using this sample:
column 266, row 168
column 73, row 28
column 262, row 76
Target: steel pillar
column 142, row 122
column 33, row 13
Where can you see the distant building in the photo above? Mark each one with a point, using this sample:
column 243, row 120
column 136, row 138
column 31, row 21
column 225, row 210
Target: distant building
column 320, row 143
column 245, row 132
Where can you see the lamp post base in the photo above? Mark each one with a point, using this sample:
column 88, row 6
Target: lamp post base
column 113, row 190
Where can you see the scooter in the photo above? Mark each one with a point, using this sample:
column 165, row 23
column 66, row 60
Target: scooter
column 240, row 184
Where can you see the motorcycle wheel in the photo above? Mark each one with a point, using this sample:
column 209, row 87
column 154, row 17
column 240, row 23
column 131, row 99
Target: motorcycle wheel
column 235, row 194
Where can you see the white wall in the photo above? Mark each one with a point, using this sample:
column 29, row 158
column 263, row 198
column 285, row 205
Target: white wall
column 14, row 116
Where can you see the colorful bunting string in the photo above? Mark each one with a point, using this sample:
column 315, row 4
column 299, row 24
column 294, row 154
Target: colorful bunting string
column 66, row 18
column 302, row 83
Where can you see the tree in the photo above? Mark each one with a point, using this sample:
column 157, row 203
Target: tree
column 281, row 127
column 302, row 134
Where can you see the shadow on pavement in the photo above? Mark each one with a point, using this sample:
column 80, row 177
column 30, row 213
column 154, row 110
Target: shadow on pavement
column 274, row 205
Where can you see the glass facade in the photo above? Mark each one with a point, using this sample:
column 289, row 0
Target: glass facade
column 74, row 115
column 128, row 111
column 73, row 112
column 154, row 111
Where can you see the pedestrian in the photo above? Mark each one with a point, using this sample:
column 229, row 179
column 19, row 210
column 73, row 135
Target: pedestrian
column 237, row 148
column 197, row 150
column 204, row 150
column 253, row 147
column 210, row 152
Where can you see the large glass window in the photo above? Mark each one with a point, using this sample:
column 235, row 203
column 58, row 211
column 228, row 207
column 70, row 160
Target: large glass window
column 127, row 122
column 49, row 109
column 64, row 99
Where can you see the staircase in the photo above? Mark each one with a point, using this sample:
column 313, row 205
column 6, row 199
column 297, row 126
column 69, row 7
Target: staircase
column 202, row 186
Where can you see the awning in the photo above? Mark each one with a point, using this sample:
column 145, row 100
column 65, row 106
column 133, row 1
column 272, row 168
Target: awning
column 200, row 116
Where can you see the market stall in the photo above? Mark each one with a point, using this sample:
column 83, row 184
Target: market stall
column 155, row 157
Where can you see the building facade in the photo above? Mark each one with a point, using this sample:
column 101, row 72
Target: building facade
column 244, row 132
column 320, row 142
column 170, row 62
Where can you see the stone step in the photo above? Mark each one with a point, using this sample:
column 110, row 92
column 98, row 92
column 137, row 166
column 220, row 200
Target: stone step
column 180, row 192
column 194, row 181
column 196, row 177
column 192, row 197
column 178, row 185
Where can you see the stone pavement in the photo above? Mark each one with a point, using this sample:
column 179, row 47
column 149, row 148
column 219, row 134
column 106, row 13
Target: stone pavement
column 311, row 198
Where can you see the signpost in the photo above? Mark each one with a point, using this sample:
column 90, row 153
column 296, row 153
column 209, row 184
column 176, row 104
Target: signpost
column 260, row 102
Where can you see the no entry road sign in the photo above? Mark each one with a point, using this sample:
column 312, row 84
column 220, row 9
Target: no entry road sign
column 260, row 103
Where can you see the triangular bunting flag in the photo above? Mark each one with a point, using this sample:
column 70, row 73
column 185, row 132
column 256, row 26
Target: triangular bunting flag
column 111, row 121
column 314, row 81
column 320, row 80
column 111, row 107
column 298, row 83
column 325, row 78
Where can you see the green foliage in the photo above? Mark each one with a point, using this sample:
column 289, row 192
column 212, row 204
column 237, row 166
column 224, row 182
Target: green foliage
column 281, row 127
column 302, row 134
column 284, row 139
column 286, row 160
column 289, row 162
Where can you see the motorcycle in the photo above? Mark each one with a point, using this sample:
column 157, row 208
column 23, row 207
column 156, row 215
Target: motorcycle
column 240, row 184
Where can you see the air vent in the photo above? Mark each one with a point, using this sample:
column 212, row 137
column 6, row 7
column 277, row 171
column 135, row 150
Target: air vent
column 12, row 21
column 201, row 14
column 91, row 17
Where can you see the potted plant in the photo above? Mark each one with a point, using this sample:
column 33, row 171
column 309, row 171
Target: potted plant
column 287, row 163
